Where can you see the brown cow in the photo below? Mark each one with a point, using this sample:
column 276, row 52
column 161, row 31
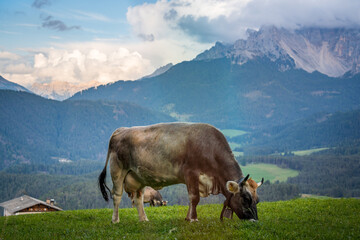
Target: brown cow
column 150, row 196
column 160, row 155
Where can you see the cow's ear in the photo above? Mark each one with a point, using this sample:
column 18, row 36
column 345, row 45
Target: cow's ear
column 232, row 187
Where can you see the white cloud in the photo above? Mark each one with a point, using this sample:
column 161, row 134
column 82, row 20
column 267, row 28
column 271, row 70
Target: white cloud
column 213, row 20
column 20, row 68
column 77, row 65
column 4, row 55
column 89, row 64
column 25, row 80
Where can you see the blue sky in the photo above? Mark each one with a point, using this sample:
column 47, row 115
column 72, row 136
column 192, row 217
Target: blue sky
column 89, row 42
column 22, row 21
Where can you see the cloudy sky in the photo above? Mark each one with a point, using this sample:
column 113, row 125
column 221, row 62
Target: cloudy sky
column 80, row 41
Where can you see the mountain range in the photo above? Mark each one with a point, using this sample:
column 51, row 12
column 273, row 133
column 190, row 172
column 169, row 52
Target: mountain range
column 333, row 52
column 273, row 77
column 250, row 96
column 60, row 90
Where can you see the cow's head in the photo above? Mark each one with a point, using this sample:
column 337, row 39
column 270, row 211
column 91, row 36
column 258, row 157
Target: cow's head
column 243, row 198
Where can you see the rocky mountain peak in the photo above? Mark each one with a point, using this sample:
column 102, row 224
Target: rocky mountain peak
column 333, row 52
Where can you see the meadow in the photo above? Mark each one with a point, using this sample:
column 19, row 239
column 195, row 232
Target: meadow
column 296, row 219
column 269, row 172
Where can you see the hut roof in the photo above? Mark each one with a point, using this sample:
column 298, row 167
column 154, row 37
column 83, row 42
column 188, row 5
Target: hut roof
column 20, row 203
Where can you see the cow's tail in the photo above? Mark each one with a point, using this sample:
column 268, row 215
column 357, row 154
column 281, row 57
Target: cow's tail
column 102, row 180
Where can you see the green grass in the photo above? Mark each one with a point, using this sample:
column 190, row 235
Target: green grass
column 268, row 172
column 230, row 133
column 308, row 152
column 296, row 219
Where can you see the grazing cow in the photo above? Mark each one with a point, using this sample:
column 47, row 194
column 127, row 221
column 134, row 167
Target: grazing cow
column 150, row 196
column 160, row 155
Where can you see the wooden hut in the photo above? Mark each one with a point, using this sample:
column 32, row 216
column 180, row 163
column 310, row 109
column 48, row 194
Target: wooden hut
column 27, row 205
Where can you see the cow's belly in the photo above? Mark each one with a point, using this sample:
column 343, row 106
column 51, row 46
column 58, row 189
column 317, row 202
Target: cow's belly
column 158, row 177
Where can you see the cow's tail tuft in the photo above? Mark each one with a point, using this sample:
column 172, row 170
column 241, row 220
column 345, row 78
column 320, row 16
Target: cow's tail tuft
column 102, row 181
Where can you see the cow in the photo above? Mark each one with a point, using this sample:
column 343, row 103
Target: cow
column 151, row 196
column 195, row 154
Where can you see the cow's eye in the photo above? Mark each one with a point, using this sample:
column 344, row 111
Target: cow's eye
column 247, row 199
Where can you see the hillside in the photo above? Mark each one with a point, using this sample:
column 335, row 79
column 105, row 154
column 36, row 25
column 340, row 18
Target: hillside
column 38, row 130
column 320, row 130
column 296, row 219
column 7, row 85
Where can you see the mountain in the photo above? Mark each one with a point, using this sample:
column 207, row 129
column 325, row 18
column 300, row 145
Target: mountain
column 5, row 84
column 332, row 52
column 38, row 130
column 60, row 90
column 253, row 95
column 160, row 70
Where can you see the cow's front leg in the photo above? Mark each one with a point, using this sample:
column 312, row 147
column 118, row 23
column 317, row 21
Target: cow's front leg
column 139, row 203
column 194, row 198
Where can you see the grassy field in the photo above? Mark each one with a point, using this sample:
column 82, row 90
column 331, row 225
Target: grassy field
column 296, row 219
column 234, row 145
column 230, row 133
column 268, row 172
column 302, row 152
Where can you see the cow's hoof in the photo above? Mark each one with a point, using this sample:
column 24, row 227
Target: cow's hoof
column 194, row 220
column 115, row 221
column 144, row 220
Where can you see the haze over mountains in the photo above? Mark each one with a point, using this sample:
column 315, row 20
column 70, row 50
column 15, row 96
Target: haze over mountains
column 60, row 90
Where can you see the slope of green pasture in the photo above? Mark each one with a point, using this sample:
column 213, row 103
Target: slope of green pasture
column 268, row 172
column 309, row 151
column 296, row 219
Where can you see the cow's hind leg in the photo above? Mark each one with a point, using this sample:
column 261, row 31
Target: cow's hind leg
column 118, row 175
column 192, row 184
column 139, row 203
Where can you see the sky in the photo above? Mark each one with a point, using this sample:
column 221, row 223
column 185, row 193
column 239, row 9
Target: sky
column 88, row 42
